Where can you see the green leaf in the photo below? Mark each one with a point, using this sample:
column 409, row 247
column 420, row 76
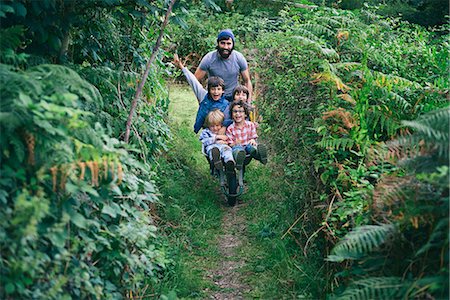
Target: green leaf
column 79, row 220
column 10, row 288
column 20, row 10
column 108, row 210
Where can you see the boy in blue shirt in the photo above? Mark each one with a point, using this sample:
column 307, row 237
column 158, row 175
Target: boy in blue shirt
column 209, row 99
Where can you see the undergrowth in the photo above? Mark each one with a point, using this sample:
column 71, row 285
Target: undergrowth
column 191, row 219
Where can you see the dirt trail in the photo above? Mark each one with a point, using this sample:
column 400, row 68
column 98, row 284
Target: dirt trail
column 227, row 276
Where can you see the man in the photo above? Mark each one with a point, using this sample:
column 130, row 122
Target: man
column 227, row 63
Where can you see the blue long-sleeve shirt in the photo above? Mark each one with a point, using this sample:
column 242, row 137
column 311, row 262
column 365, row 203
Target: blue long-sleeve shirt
column 207, row 105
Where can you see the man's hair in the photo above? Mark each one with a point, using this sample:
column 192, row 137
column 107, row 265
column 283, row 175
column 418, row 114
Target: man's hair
column 214, row 117
column 241, row 88
column 215, row 81
column 239, row 103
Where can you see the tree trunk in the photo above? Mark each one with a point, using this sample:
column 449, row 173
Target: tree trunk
column 147, row 70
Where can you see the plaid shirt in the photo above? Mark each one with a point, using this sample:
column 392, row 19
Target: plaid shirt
column 241, row 136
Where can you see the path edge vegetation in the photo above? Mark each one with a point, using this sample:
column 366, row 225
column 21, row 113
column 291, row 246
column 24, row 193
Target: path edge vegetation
column 364, row 98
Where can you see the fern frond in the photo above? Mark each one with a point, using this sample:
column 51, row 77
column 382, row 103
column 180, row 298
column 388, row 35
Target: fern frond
column 438, row 238
column 380, row 288
column 317, row 29
column 389, row 80
column 348, row 66
column 377, row 116
column 330, row 53
column 390, row 191
column 337, row 143
column 308, row 34
column 329, row 21
column 362, row 240
column 430, row 132
column 57, row 78
column 309, row 42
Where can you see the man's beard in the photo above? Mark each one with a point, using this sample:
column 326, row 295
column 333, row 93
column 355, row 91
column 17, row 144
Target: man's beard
column 224, row 53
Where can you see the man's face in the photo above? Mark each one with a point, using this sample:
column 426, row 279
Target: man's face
column 225, row 47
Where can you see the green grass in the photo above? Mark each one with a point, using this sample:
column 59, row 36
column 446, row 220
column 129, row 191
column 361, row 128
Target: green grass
column 192, row 210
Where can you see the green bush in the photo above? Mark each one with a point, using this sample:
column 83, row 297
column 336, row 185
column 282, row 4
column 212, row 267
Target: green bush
column 75, row 219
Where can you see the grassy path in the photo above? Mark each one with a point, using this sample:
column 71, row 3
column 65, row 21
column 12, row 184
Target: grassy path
column 221, row 252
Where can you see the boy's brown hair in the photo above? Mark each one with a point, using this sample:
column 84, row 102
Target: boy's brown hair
column 214, row 81
column 239, row 103
column 241, row 88
column 214, row 117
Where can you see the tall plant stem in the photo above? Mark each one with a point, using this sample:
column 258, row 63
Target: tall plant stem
column 147, row 70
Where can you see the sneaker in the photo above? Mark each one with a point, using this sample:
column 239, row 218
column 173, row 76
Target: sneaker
column 229, row 166
column 215, row 153
column 262, row 150
column 240, row 157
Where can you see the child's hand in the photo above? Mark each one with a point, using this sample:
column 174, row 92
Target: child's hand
column 252, row 142
column 222, row 130
column 221, row 137
column 177, row 62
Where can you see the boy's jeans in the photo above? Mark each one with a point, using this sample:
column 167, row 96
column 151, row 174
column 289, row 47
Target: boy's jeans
column 225, row 152
column 249, row 149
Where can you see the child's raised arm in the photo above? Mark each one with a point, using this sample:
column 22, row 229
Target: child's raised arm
column 196, row 86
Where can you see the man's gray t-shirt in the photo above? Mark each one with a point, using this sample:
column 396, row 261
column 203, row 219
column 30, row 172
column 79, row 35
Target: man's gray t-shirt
column 228, row 69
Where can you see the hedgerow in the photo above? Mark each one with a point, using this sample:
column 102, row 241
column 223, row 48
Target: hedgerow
column 337, row 86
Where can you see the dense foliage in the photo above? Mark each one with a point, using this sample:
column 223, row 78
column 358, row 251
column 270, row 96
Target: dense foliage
column 338, row 87
column 76, row 217
column 353, row 105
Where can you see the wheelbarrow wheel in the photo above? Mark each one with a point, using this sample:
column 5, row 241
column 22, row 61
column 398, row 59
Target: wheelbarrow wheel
column 232, row 188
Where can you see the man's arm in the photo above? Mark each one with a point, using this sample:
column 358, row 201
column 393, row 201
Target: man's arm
column 199, row 74
column 248, row 84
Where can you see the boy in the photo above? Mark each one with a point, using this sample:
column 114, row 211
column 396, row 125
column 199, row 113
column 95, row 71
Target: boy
column 241, row 93
column 209, row 99
column 242, row 136
column 214, row 143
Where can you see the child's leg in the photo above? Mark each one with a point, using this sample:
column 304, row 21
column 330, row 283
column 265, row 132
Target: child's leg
column 214, row 155
column 239, row 156
column 258, row 153
column 227, row 156
column 226, row 153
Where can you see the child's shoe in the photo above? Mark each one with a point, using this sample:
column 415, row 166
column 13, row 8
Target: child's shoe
column 240, row 157
column 229, row 166
column 215, row 153
column 262, row 151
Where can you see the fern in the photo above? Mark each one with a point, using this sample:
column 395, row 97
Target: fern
column 430, row 129
column 337, row 143
column 438, row 238
column 308, row 34
column 362, row 240
column 11, row 39
column 317, row 29
column 57, row 78
column 378, row 117
column 380, row 288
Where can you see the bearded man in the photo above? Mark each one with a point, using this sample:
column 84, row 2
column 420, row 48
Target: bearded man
column 227, row 63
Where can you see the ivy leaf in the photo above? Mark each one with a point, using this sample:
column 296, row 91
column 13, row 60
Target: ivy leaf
column 79, row 220
column 58, row 238
column 10, row 288
column 108, row 210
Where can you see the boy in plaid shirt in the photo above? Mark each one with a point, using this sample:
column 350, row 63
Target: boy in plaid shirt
column 242, row 136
